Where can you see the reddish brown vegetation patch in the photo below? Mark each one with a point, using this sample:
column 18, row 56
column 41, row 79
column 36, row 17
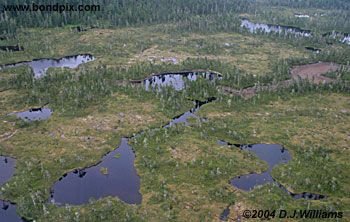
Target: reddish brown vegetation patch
column 314, row 72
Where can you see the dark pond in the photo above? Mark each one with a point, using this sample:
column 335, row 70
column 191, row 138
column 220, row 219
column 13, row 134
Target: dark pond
column 115, row 175
column 40, row 66
column 176, row 80
column 273, row 154
column 7, row 209
column 11, row 48
column 269, row 28
column 8, row 212
column 35, row 114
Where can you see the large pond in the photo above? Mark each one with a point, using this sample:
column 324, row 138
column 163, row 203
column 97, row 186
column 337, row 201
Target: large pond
column 8, row 212
column 115, row 175
column 177, row 80
column 269, row 28
column 7, row 209
column 274, row 155
column 40, row 66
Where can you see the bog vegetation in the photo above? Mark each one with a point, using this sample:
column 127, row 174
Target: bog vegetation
column 183, row 171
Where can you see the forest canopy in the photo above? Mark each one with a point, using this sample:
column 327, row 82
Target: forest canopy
column 122, row 13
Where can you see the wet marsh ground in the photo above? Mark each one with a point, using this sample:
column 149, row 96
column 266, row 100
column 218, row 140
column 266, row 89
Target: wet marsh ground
column 126, row 46
column 312, row 127
column 184, row 173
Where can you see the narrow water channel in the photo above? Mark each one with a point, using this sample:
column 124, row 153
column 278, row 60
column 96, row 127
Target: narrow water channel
column 115, row 175
column 183, row 118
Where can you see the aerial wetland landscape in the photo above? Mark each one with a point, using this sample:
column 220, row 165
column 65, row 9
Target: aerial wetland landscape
column 196, row 110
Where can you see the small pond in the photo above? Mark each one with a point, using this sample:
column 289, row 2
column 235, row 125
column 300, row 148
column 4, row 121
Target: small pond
column 40, row 66
column 268, row 28
column 274, row 155
column 177, row 80
column 7, row 168
column 35, row 114
column 115, row 175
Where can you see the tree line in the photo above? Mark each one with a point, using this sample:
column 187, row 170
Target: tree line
column 116, row 12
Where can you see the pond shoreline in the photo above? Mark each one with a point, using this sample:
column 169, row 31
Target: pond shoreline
column 183, row 72
column 182, row 118
column 273, row 155
column 44, row 58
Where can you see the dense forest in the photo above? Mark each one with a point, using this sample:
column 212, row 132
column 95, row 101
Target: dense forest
column 117, row 12
column 121, row 13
